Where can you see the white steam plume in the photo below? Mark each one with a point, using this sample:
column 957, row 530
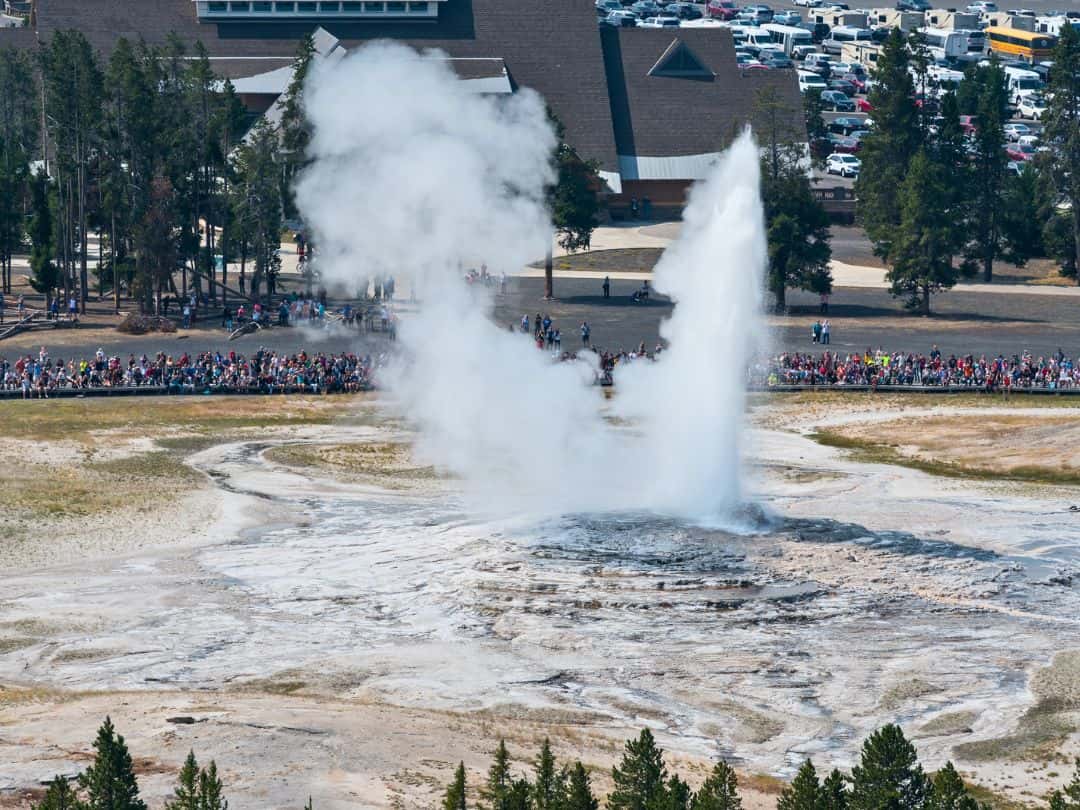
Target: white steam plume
column 417, row 176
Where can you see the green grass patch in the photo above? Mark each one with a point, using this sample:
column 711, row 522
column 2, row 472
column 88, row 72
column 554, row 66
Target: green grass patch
column 78, row 419
column 1037, row 737
column 949, row 723
column 899, row 694
column 141, row 466
column 872, row 452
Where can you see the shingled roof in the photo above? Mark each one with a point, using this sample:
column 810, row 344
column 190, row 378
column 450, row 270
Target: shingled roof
column 622, row 93
column 550, row 46
column 681, row 93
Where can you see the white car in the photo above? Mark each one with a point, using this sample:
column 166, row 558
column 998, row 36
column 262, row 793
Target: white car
column 808, row 3
column 1014, row 132
column 982, row 7
column 843, row 165
column 659, row 22
column 1032, row 106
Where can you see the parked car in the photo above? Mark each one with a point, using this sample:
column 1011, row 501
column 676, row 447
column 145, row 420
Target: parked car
column 658, row 22
column 835, row 100
column 1013, row 132
column 818, row 31
column 605, row 7
column 811, row 83
column 808, row 3
column 621, row 19
column 645, row 8
column 845, row 125
column 758, row 13
column 792, row 18
column 982, row 7
column 844, row 86
column 684, row 11
column 863, row 105
column 722, row 9
column 967, row 123
column 843, row 164
column 1032, row 106
column 778, row 61
column 1020, row 151
column 800, row 52
column 912, row 5
column 745, row 60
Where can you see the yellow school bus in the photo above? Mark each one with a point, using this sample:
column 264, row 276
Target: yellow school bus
column 1026, row 45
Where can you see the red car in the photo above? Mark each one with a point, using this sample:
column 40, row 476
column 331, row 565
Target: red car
column 862, row 105
column 967, row 123
column 1020, row 151
column 722, row 9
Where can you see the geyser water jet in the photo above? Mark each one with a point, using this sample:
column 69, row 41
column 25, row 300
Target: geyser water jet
column 417, row 176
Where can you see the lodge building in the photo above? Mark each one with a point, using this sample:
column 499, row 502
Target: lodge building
column 653, row 107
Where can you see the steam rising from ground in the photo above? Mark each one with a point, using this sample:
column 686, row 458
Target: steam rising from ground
column 417, row 176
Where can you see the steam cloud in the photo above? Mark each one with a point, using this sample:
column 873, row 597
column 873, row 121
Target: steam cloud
column 417, row 176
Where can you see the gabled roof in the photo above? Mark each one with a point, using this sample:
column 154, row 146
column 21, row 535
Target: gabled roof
column 679, row 62
column 550, row 46
column 657, row 120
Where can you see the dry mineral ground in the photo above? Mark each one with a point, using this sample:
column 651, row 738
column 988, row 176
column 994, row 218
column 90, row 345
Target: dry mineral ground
column 213, row 574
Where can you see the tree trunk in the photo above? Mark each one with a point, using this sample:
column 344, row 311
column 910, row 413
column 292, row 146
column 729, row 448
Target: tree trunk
column 1076, row 239
column 926, row 301
column 115, row 265
column 549, row 273
column 988, row 265
column 84, row 277
column 780, row 291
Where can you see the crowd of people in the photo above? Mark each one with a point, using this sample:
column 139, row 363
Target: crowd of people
column 264, row 372
column 881, row 368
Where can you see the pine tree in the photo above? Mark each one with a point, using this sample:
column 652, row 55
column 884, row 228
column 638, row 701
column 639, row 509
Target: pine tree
column 924, row 242
column 110, row 782
column 720, row 791
column 295, row 127
column 59, row 796
column 804, row 792
column 186, row 794
column 520, row 795
column 572, row 199
column 19, row 131
column 949, row 792
column 455, row 793
column 497, row 791
column 579, row 795
column 1061, row 131
column 888, row 776
column 1023, row 214
column 1069, row 798
column 797, row 224
column 986, row 86
column 677, row 795
column 45, row 275
column 210, row 789
column 834, row 791
column 891, row 145
column 639, row 779
column 549, row 787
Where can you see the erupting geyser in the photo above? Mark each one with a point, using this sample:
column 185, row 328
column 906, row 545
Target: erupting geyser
column 417, row 176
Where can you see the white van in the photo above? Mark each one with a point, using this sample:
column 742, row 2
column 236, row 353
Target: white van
column 789, row 36
column 1021, row 82
column 810, row 81
column 761, row 39
column 844, row 34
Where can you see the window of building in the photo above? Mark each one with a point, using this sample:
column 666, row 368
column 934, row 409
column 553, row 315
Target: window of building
column 352, row 7
column 241, row 8
column 262, row 7
column 217, row 8
column 329, row 8
column 418, row 8
column 285, row 8
column 395, row 8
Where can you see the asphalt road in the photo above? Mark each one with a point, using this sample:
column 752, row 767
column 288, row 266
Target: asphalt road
column 981, row 323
